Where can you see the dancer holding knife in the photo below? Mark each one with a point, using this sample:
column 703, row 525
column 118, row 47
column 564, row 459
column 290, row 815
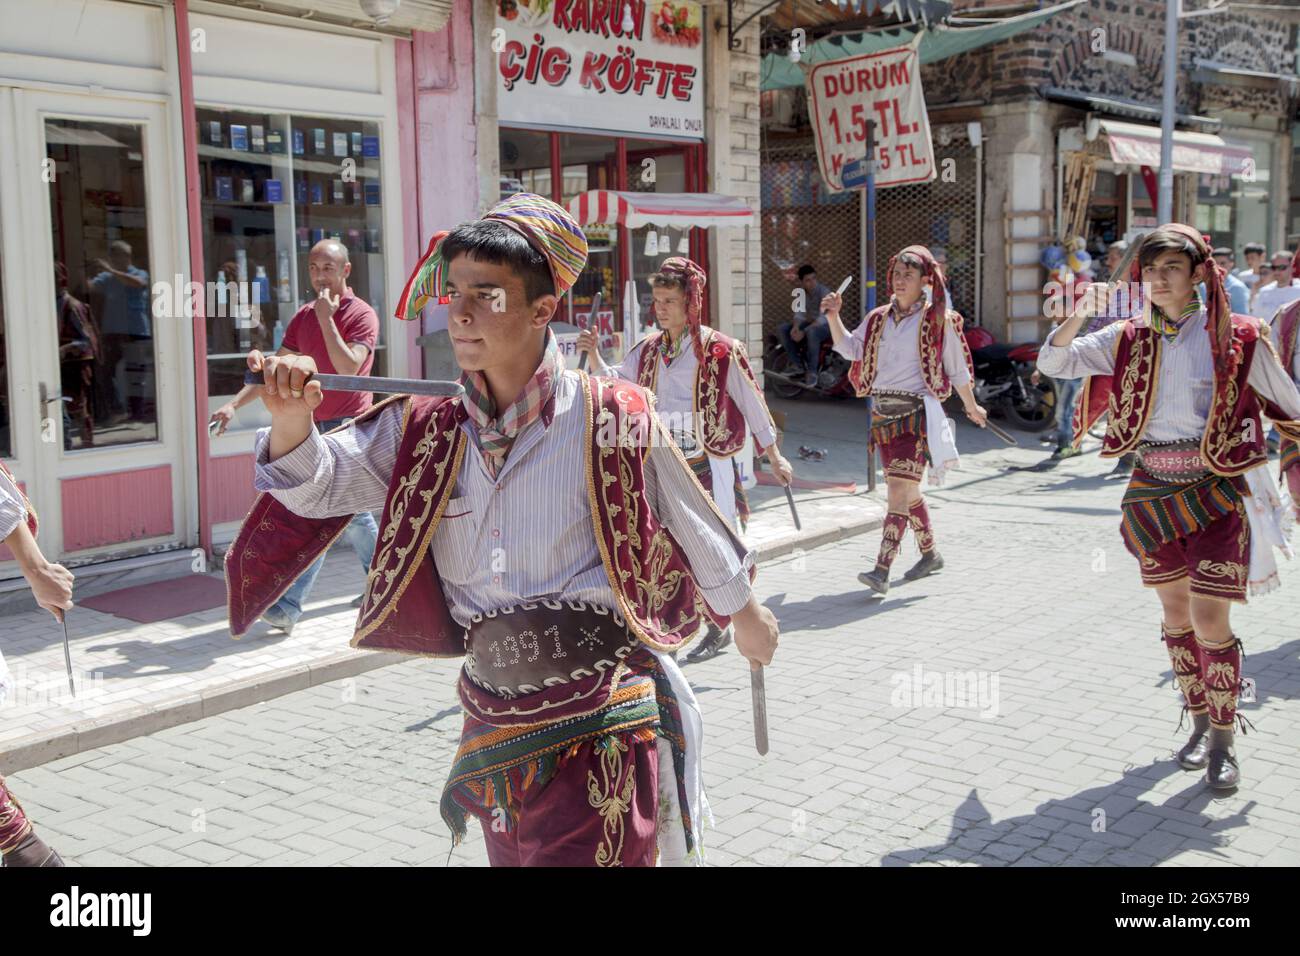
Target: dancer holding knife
column 704, row 391
column 909, row 354
column 509, row 529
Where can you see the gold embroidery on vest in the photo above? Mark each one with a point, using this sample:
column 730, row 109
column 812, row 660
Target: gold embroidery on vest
column 1134, row 396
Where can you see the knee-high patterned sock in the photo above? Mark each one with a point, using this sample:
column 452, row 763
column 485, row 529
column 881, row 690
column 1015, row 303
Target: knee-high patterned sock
column 14, row 825
column 1185, row 656
column 1222, row 676
column 919, row 516
column 891, row 539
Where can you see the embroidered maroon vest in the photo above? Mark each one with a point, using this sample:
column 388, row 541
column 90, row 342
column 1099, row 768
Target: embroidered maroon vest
column 721, row 422
column 929, row 344
column 1230, row 446
column 404, row 608
column 32, row 523
column 1288, row 325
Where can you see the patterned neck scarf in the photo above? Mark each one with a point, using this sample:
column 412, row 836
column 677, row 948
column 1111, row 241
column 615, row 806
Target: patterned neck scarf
column 900, row 315
column 669, row 350
column 1168, row 328
column 496, row 433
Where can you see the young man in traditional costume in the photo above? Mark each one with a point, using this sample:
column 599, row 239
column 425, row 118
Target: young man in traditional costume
column 706, row 394
column 1286, row 326
column 544, row 527
column 52, row 587
column 909, row 355
column 1184, row 382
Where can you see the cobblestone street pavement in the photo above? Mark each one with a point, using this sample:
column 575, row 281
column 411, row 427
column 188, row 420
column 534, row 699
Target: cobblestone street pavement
column 1015, row 709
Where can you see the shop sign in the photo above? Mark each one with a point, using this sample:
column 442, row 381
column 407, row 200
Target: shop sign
column 884, row 87
column 634, row 67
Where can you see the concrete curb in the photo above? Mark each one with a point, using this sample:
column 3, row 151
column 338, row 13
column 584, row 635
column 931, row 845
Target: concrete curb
column 37, row 749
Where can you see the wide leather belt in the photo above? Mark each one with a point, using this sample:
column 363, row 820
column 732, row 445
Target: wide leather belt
column 891, row 406
column 529, row 647
column 1178, row 461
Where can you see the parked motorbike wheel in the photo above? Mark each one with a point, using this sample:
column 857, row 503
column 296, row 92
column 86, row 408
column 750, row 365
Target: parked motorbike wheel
column 1031, row 407
column 778, row 362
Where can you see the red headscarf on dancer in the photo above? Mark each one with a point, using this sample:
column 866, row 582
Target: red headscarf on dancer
column 931, row 270
column 1218, row 311
column 693, row 279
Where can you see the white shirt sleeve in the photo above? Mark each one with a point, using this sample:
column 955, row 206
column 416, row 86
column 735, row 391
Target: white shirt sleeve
column 1269, row 379
column 718, row 560
column 343, row 473
column 954, row 358
column 854, row 344
column 13, row 511
column 1092, row 354
column 752, row 405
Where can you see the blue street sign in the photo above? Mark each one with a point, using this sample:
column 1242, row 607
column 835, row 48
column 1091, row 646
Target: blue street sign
column 855, row 174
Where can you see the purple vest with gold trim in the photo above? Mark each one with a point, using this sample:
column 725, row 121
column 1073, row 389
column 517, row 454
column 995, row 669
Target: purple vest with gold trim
column 1229, row 445
column 722, row 422
column 404, row 608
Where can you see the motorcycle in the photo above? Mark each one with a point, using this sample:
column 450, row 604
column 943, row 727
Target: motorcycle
column 832, row 380
column 1007, row 379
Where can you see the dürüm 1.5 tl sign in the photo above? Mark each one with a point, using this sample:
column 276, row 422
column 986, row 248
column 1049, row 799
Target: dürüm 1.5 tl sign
column 882, row 87
column 626, row 66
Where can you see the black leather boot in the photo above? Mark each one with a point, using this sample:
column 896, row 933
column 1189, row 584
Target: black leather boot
column 1195, row 754
column 876, row 579
column 930, row 562
column 32, row 851
column 1223, row 773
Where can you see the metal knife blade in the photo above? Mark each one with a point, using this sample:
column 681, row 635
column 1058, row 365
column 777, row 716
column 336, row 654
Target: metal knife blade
column 371, row 383
column 758, row 693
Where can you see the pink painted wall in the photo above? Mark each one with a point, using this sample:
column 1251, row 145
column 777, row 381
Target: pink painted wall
column 117, row 507
column 443, row 143
column 232, row 487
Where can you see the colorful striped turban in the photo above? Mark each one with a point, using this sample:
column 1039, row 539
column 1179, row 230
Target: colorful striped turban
column 548, row 228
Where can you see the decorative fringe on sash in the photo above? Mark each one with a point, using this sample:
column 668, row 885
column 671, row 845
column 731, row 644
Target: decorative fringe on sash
column 1157, row 512
column 495, row 766
column 913, row 424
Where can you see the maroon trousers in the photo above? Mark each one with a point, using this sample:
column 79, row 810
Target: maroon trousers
column 600, row 809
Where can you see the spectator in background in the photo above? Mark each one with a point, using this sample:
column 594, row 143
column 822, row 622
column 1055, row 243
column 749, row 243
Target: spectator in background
column 339, row 331
column 1254, row 254
column 119, row 299
column 1238, row 292
column 1277, row 293
column 809, row 328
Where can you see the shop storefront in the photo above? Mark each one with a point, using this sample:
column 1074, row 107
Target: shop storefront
column 110, row 226
column 606, row 96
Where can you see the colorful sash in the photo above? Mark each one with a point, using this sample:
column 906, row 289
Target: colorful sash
column 1157, row 512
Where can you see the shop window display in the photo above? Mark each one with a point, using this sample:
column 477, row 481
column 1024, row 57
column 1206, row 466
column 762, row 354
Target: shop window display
column 273, row 186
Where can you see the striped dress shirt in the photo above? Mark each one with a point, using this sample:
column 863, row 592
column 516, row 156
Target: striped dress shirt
column 526, row 534
column 12, row 510
column 898, row 365
column 1186, row 382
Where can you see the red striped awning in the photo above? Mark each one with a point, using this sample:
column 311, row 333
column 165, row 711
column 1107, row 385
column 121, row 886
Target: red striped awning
column 1132, row 144
column 682, row 210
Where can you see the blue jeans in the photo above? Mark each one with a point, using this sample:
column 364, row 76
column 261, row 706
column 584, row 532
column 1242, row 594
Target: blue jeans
column 362, row 532
column 814, row 336
column 1067, row 390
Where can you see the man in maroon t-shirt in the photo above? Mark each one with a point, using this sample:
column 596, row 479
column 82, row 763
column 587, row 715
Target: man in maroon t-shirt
column 339, row 331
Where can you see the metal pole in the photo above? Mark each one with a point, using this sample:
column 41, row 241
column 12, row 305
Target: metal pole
column 1165, row 201
column 869, row 272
